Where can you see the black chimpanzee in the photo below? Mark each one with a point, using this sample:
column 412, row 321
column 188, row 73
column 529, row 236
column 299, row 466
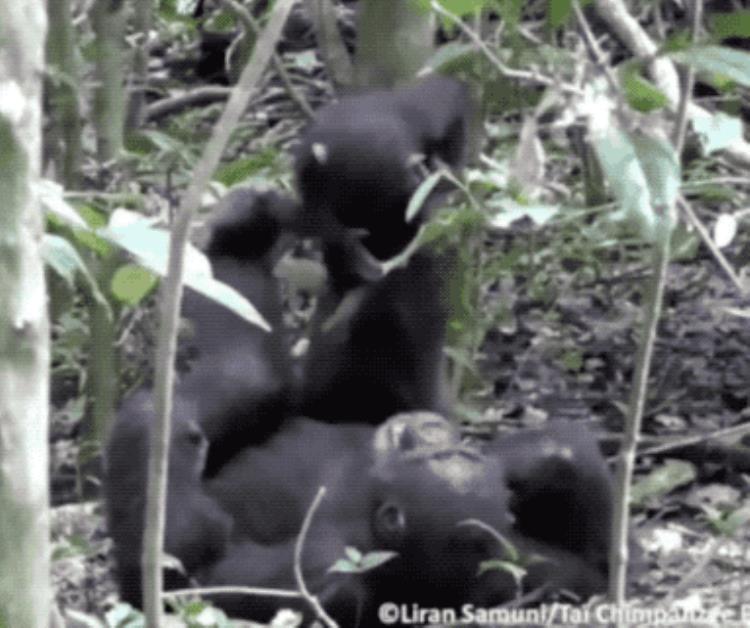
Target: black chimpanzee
column 197, row 529
column 387, row 345
column 409, row 486
column 561, row 488
column 404, row 487
column 356, row 165
column 240, row 379
column 356, row 173
column 236, row 392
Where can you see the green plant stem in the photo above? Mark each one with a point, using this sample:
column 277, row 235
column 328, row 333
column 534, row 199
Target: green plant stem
column 626, row 460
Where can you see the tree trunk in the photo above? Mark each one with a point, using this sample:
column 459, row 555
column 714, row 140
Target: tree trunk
column 107, row 17
column 142, row 24
column 24, row 331
column 63, row 142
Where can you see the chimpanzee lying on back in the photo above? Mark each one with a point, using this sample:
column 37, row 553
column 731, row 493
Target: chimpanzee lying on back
column 410, row 487
column 240, row 378
column 236, row 392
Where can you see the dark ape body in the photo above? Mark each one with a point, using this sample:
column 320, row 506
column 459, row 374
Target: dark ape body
column 409, row 487
column 241, row 375
column 197, row 529
column 355, row 165
column 387, row 490
column 393, row 488
column 387, row 355
column 356, row 172
column 386, row 347
column 561, row 489
column 356, row 176
column 236, row 392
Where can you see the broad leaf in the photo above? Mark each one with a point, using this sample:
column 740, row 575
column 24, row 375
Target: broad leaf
column 717, row 130
column 62, row 257
column 730, row 62
column 131, row 284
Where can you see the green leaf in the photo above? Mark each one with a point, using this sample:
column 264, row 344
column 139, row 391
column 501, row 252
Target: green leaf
column 558, row 12
column 306, row 61
column 462, row 8
column 572, row 360
column 82, row 619
column 512, row 211
column 353, row 554
column 685, row 244
column 417, row 200
column 62, row 257
column 452, row 57
column 735, row 520
column 661, row 167
column 342, row 565
column 641, row 94
column 371, row 560
column 131, row 284
column 643, row 173
column 239, row 170
column 88, row 236
column 717, row 130
column 734, row 24
column 663, row 479
column 124, row 616
column 711, row 191
column 150, row 247
column 730, row 62
column 51, row 196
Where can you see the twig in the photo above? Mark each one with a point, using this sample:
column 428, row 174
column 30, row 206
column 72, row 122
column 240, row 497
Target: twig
column 199, row 96
column 251, row 24
column 693, row 219
column 523, row 75
column 298, row 546
column 335, row 55
column 728, row 180
column 680, row 128
column 257, row 591
column 626, row 458
column 593, row 46
column 735, row 432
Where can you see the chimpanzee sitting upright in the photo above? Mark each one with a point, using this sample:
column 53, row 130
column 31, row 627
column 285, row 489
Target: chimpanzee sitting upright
column 381, row 341
column 356, row 172
column 377, row 347
column 356, row 165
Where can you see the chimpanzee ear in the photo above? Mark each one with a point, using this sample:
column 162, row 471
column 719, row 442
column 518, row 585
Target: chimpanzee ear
column 390, row 523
